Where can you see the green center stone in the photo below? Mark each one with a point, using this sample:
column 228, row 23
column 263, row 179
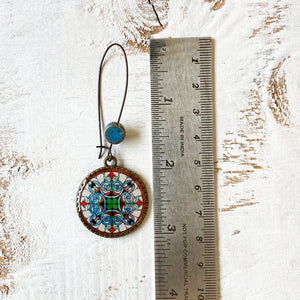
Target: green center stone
column 112, row 203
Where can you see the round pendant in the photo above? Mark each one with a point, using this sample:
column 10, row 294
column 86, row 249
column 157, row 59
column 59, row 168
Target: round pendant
column 112, row 201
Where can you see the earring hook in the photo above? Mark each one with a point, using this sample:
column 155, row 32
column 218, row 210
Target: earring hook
column 101, row 146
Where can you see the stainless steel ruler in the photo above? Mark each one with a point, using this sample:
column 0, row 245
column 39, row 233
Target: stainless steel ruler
column 183, row 168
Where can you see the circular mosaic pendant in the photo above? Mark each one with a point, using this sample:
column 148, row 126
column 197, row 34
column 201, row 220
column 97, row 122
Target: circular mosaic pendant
column 112, row 201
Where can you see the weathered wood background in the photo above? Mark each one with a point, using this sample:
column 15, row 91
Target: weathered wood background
column 50, row 52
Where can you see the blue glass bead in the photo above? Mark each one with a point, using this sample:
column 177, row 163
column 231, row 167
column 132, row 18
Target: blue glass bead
column 114, row 132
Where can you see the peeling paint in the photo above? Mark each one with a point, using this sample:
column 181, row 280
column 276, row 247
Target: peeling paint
column 236, row 232
column 247, row 200
column 277, row 88
column 234, row 206
column 243, row 148
column 217, row 4
column 240, row 149
column 136, row 20
column 272, row 21
column 14, row 244
column 140, row 26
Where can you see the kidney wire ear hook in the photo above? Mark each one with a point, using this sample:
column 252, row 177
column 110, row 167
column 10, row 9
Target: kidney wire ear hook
column 113, row 137
column 100, row 200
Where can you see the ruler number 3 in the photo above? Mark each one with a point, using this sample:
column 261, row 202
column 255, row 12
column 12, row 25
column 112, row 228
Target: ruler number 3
column 196, row 112
column 171, row 228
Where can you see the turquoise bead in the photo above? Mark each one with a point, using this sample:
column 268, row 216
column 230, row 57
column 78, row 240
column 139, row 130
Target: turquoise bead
column 114, row 132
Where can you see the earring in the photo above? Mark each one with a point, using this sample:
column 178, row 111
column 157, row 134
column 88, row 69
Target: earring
column 112, row 201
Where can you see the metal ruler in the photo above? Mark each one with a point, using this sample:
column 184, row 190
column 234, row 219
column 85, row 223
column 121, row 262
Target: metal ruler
column 183, row 168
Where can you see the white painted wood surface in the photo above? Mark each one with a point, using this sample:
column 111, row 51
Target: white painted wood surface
column 50, row 52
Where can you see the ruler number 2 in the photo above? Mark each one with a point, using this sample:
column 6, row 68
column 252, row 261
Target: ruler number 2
column 199, row 213
column 170, row 163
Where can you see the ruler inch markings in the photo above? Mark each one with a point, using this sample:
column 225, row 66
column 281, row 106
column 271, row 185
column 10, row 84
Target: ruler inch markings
column 183, row 168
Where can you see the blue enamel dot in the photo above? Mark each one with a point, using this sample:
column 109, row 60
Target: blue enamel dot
column 114, row 133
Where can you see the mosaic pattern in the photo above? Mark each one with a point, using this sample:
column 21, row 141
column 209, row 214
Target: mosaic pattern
column 112, row 201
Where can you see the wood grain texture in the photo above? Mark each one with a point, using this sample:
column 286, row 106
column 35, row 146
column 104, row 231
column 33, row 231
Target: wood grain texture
column 14, row 242
column 277, row 88
column 49, row 59
column 136, row 20
column 217, row 4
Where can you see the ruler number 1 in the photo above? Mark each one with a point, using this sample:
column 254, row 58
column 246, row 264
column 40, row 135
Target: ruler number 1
column 168, row 99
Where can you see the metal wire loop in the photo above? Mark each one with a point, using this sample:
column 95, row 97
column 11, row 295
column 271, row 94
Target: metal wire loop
column 101, row 146
column 110, row 159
